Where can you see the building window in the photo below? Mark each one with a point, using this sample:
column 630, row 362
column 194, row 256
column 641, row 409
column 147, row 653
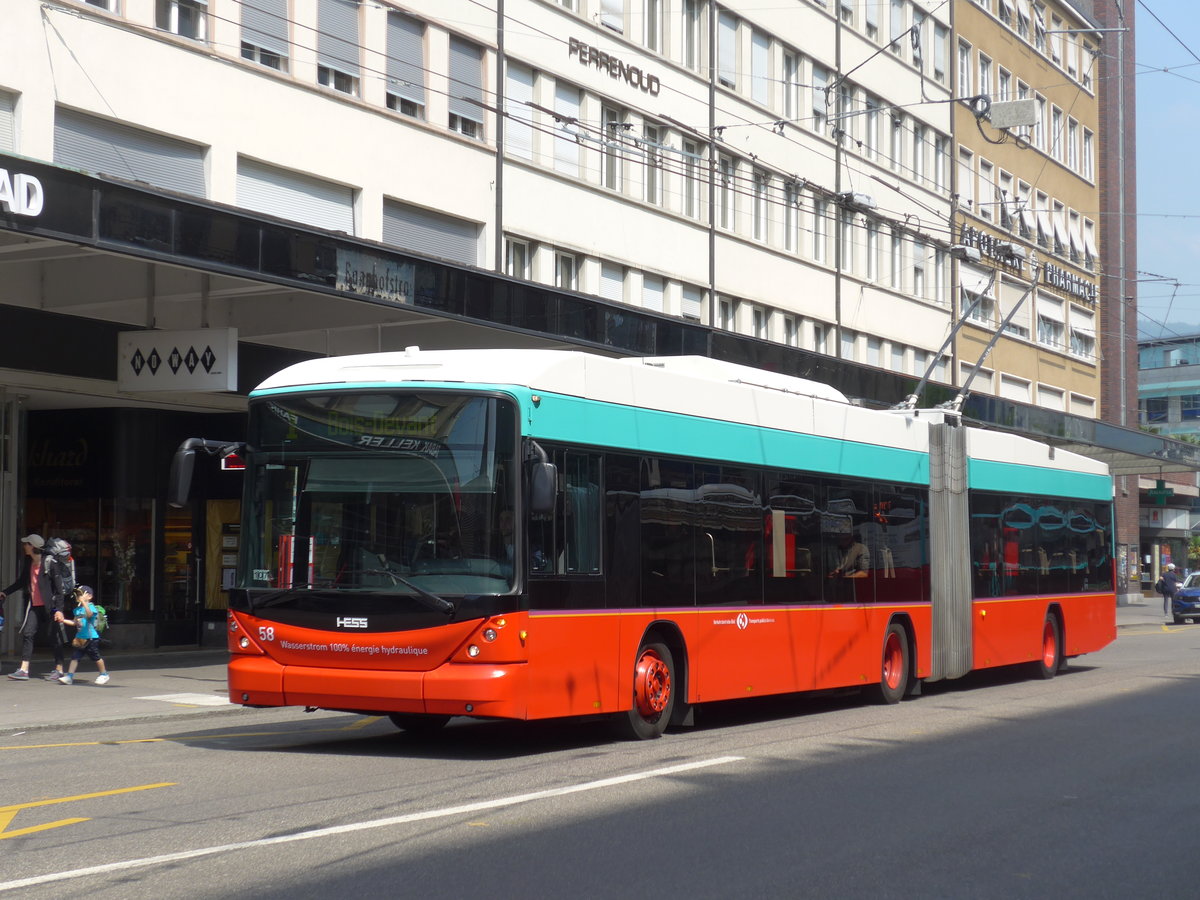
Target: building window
column 517, row 258
column 941, row 42
column 897, row 267
column 692, row 11
column 1088, row 159
column 846, row 240
column 898, row 27
column 820, row 227
column 466, row 88
column 265, row 33
column 692, row 308
column 653, row 25
column 760, row 72
column 566, row 124
column 987, row 189
column 612, row 15
column 338, row 45
column 896, row 151
column 725, row 313
column 791, row 86
column 964, row 70
column 791, row 217
column 566, row 271
column 1189, row 407
column 653, row 288
column 762, row 184
column 760, row 322
column 725, row 192
column 966, row 178
column 920, row 251
column 820, row 98
column 872, row 250
column 691, row 181
column 791, row 331
column 918, row 152
column 186, row 18
column 611, row 147
column 871, row 137
column 518, row 121
column 653, row 137
column 848, row 343
column 406, row 66
column 1050, row 324
column 727, row 49
column 1155, row 410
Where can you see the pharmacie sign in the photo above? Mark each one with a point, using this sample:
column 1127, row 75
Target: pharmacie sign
column 20, row 194
column 1069, row 283
column 616, row 68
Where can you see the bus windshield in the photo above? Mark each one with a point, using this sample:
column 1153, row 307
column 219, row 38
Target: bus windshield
column 394, row 491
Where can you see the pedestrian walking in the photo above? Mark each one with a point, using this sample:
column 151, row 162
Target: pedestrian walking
column 87, row 639
column 37, row 611
column 1169, row 585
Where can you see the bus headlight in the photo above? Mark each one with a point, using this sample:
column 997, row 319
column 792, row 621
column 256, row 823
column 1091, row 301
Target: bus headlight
column 473, row 650
column 489, row 634
column 244, row 642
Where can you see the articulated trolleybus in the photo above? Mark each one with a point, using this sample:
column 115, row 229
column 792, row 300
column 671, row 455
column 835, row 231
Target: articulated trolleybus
column 534, row 534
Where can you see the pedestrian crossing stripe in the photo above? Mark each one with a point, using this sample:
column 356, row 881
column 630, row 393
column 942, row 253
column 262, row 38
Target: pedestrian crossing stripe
column 190, row 699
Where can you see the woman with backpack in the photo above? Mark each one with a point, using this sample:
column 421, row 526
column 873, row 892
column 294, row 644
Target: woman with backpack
column 87, row 637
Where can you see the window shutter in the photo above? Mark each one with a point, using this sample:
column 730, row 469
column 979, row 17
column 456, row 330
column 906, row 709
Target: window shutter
column 406, row 57
column 294, row 196
column 337, row 35
column 652, row 293
column 265, row 24
column 98, row 145
column 8, row 130
column 612, row 281
column 566, row 148
column 466, row 80
column 431, row 233
column 518, row 127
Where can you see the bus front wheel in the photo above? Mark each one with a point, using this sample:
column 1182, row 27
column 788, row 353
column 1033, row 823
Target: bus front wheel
column 1048, row 663
column 893, row 671
column 653, row 693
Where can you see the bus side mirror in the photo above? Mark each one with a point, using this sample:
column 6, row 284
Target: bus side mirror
column 543, row 488
column 179, row 482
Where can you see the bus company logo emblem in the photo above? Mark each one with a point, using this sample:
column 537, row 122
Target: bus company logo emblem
column 743, row 621
column 351, row 622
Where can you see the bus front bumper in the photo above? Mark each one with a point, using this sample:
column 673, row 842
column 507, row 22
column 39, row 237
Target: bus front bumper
column 453, row 689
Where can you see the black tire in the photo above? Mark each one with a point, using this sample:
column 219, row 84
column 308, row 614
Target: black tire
column 894, row 667
column 418, row 723
column 1048, row 663
column 653, row 693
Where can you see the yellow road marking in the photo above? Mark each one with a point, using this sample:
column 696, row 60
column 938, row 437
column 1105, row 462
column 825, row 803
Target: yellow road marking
column 8, row 813
column 362, row 723
column 83, row 744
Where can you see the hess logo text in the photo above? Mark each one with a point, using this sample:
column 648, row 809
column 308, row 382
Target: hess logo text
column 351, row 622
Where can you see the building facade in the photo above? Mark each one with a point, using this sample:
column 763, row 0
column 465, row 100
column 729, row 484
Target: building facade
column 781, row 185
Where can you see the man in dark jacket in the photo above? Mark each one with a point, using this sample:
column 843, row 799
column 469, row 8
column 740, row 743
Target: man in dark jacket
column 1170, row 583
column 37, row 609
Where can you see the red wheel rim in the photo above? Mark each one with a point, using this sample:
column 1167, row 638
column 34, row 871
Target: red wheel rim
column 1049, row 645
column 893, row 661
column 651, row 684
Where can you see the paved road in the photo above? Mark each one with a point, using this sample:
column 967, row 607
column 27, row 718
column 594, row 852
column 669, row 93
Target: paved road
column 997, row 786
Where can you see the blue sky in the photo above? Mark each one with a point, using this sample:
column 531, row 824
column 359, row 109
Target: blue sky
column 1168, row 160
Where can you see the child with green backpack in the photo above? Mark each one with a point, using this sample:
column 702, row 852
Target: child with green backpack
column 88, row 619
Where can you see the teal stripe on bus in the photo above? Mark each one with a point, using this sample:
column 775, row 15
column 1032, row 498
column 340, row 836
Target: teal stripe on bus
column 1009, row 478
column 569, row 419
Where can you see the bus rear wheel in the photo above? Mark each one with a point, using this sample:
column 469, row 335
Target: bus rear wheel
column 1048, row 663
column 653, row 693
column 418, row 723
column 893, row 671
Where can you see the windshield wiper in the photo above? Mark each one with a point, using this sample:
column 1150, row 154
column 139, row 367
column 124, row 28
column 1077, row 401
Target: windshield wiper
column 432, row 600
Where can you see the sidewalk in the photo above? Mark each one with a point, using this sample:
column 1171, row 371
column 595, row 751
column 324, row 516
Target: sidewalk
column 166, row 684
column 178, row 683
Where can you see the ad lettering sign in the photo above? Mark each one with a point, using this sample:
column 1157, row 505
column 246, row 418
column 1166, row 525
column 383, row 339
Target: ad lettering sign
column 20, row 195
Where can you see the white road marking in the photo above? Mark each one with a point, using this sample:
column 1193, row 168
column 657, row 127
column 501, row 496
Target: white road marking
column 190, row 699
column 365, row 826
